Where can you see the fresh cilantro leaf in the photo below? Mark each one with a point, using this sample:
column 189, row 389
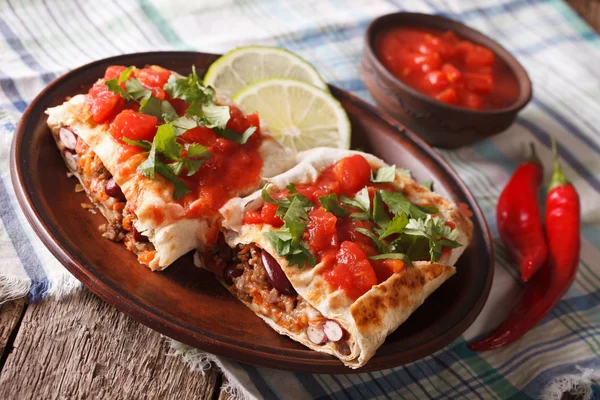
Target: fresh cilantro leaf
column 429, row 209
column 160, row 109
column 151, row 106
column 281, row 240
column 384, row 174
column 330, row 203
column 397, row 256
column 215, row 116
column 176, row 167
column 144, row 144
column 436, row 231
column 427, row 185
column 380, row 245
column 397, row 203
column 360, row 216
column 415, row 247
column 183, row 124
column 453, row 244
column 168, row 113
column 380, row 215
column 301, row 256
column 197, row 151
column 136, row 90
column 361, row 201
column 417, row 227
column 235, row 136
column 165, row 142
column 125, row 74
column 114, row 86
column 147, row 167
column 195, row 157
column 404, row 171
column 191, row 90
column 287, row 241
column 180, row 188
column 284, row 204
column 396, row 226
column 295, row 218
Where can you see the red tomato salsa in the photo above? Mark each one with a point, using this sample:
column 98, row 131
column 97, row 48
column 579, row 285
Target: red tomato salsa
column 231, row 167
column 336, row 241
column 447, row 68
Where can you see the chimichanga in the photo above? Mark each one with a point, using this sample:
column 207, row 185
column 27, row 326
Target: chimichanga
column 339, row 251
column 158, row 157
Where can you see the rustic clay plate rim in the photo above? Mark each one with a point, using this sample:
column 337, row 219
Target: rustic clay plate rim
column 519, row 72
column 142, row 312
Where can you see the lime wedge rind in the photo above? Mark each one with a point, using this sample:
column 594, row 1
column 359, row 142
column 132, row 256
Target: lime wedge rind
column 246, row 65
column 301, row 116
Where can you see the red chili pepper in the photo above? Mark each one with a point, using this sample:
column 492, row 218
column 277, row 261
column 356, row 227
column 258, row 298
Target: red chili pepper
column 518, row 217
column 546, row 288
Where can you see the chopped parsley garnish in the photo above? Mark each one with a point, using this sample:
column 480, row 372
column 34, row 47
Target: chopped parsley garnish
column 435, row 230
column 287, row 240
column 191, row 90
column 384, row 174
column 166, row 155
column 169, row 158
column 400, row 229
column 331, row 204
column 396, row 256
column 427, row 185
column 284, row 204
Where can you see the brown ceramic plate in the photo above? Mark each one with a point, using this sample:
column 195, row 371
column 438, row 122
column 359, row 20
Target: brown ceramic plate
column 187, row 303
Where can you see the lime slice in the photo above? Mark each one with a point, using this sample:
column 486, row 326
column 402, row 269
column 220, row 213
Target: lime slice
column 246, row 65
column 299, row 115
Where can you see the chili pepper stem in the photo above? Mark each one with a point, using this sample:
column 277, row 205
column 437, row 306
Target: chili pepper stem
column 558, row 176
column 534, row 157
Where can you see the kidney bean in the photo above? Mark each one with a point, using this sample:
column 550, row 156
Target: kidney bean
column 114, row 190
column 67, row 138
column 70, row 159
column 138, row 236
column 276, row 275
column 316, row 335
column 333, row 330
column 230, row 272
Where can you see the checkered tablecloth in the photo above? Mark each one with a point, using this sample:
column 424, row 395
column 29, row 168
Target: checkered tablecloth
column 42, row 39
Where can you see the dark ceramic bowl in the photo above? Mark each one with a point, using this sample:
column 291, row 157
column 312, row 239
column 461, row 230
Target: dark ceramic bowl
column 440, row 124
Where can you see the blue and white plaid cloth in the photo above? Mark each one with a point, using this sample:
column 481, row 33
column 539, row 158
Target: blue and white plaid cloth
column 40, row 40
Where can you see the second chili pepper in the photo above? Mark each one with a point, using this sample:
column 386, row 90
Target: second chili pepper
column 552, row 281
column 518, row 217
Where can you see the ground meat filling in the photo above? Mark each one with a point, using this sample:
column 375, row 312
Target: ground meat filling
column 250, row 282
column 94, row 177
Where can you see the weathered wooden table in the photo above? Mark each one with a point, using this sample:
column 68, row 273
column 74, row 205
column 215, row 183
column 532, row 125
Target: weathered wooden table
column 81, row 347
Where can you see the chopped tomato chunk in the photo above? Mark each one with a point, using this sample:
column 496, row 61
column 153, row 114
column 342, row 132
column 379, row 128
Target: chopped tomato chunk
column 479, row 83
column 437, row 79
column 133, row 125
column 321, row 233
column 352, row 173
column 352, row 272
column 452, row 73
column 114, row 72
column 104, row 104
column 154, row 78
column 447, row 68
column 265, row 216
column 448, row 96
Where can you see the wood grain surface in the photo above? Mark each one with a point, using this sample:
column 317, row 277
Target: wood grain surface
column 82, row 348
